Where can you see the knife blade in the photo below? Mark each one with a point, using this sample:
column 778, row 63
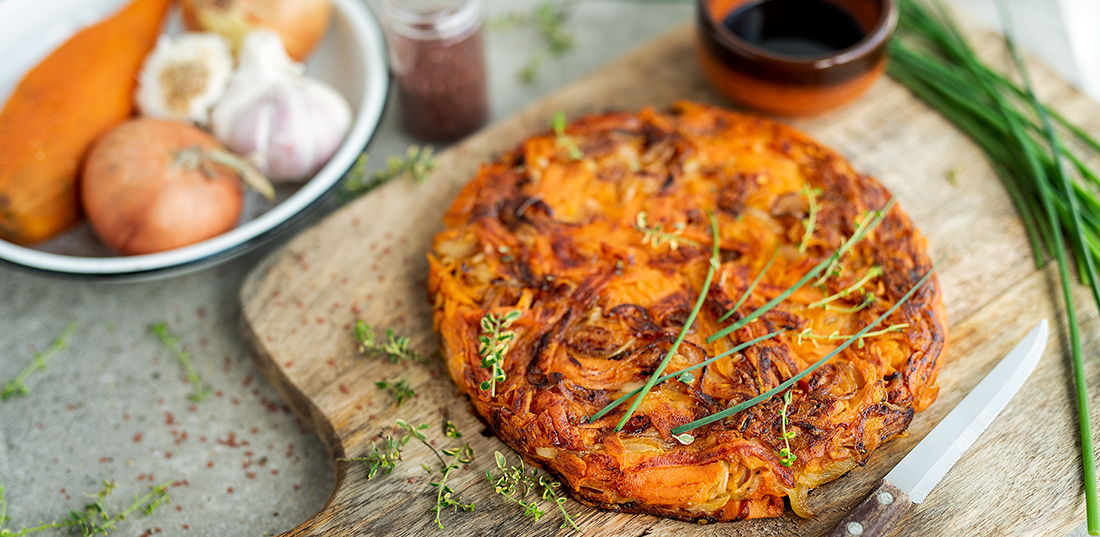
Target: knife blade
column 918, row 473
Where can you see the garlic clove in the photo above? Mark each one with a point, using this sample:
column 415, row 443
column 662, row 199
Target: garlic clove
column 184, row 77
column 250, row 132
column 337, row 112
column 286, row 124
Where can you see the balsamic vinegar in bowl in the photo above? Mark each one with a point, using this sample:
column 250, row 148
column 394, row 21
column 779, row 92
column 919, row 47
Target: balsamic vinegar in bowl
column 796, row 27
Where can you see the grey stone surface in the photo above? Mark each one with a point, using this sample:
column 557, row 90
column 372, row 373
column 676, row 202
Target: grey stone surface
column 114, row 405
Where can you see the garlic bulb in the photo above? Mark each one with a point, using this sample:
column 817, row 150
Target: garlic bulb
column 184, row 76
column 286, row 124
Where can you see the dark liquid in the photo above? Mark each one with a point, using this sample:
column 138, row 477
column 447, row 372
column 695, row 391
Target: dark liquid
column 796, row 27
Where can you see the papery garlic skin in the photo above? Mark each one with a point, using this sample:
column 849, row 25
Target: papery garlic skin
column 184, row 77
column 286, row 124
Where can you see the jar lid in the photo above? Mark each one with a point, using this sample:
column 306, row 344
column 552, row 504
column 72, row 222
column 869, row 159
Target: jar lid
column 432, row 19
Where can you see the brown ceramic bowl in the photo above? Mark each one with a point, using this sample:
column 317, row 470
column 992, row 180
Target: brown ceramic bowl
column 793, row 85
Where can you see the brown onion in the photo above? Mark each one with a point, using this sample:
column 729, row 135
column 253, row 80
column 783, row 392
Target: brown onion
column 151, row 185
column 300, row 23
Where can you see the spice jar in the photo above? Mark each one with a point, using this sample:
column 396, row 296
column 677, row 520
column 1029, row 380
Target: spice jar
column 438, row 61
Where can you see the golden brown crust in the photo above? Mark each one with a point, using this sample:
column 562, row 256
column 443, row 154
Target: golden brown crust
column 555, row 238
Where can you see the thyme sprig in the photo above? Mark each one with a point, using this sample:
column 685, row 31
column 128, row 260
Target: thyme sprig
column 493, row 345
column 172, row 343
column 417, row 163
column 549, row 492
column 514, row 478
column 786, row 457
column 563, row 140
column 790, row 382
column 549, row 20
column 866, row 224
column 656, row 235
column 450, row 430
column 396, row 348
column 95, row 518
column 385, row 459
column 356, row 181
column 872, row 273
column 17, row 385
column 511, row 480
column 837, row 336
column 810, row 223
column 397, row 387
column 445, row 495
column 711, row 269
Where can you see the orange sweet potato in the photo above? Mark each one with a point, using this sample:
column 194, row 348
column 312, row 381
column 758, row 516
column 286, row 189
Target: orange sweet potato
column 77, row 93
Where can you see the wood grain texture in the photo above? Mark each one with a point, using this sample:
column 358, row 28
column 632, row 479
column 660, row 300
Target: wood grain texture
column 367, row 261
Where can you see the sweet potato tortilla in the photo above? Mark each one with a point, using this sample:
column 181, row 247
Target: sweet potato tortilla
column 598, row 235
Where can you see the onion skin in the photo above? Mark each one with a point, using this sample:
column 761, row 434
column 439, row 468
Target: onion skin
column 301, row 24
column 140, row 199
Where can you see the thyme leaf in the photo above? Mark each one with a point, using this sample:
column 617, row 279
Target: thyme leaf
column 563, row 140
column 399, row 388
column 656, row 235
column 787, row 458
column 450, row 430
column 811, row 221
column 17, row 385
column 172, row 343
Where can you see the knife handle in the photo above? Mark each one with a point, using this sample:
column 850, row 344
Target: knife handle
column 876, row 515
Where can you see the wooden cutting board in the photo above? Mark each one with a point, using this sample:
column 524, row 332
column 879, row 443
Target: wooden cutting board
column 367, row 261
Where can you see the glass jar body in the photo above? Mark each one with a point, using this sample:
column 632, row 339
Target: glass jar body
column 438, row 60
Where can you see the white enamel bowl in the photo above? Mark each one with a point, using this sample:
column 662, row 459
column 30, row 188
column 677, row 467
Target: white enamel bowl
column 352, row 59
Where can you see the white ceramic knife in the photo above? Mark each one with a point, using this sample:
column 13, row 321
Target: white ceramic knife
column 919, row 472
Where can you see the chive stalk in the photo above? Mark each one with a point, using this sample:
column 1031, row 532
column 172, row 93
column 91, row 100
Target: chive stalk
column 790, row 382
column 1017, row 132
column 869, row 222
column 614, row 404
column 713, row 266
